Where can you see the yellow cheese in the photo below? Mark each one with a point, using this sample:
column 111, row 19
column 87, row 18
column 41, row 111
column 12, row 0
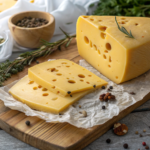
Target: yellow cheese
column 39, row 98
column 64, row 77
column 106, row 48
column 5, row 4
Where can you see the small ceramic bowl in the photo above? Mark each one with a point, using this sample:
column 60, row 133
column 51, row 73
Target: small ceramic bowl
column 31, row 37
column 4, row 35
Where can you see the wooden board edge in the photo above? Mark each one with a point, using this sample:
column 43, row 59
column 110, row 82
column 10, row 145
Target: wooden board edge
column 86, row 140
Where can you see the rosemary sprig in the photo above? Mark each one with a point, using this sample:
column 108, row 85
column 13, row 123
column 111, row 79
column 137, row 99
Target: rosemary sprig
column 123, row 29
column 9, row 68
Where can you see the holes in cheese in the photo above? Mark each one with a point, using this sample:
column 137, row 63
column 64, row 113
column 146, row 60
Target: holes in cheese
column 102, row 28
column 67, row 66
column 103, row 35
column 95, row 47
column 86, row 39
column 55, row 98
column 85, row 16
column 35, row 88
column 109, row 66
column 52, row 69
column 105, row 51
column 88, row 82
column 100, row 20
column 45, row 94
column 45, row 101
column 108, row 46
column 39, row 86
column 31, row 82
column 44, row 89
column 99, row 51
column 90, row 44
column 81, row 80
column 136, row 24
column 63, row 63
column 74, row 72
column 58, row 74
column 110, row 59
column 90, row 75
column 104, row 56
column 71, row 81
column 122, row 22
column 54, row 80
column 92, row 19
column 81, row 75
column 53, row 87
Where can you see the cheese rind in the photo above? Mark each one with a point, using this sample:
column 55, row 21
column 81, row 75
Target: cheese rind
column 106, row 48
column 64, row 77
column 39, row 98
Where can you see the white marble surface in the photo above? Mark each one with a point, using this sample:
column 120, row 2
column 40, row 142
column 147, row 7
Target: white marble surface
column 135, row 122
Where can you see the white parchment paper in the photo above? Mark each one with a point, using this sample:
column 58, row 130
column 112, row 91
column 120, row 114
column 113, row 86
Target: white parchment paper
column 90, row 103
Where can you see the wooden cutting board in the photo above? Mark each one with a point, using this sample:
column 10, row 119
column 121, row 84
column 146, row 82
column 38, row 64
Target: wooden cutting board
column 54, row 136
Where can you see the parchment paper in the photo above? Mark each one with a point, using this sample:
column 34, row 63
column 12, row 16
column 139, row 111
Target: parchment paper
column 90, row 103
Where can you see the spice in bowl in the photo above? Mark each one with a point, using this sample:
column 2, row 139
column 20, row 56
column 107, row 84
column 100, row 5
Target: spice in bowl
column 31, row 22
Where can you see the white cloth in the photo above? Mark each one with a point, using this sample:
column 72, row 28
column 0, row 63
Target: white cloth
column 64, row 11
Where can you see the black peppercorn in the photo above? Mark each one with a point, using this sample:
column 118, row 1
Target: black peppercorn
column 28, row 123
column 94, row 86
column 125, row 146
column 103, row 87
column 132, row 93
column 103, row 107
column 111, row 87
column 108, row 141
column 37, row 62
column 69, row 92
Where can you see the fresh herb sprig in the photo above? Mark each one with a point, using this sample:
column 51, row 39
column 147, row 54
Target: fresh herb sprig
column 9, row 68
column 123, row 29
column 123, row 8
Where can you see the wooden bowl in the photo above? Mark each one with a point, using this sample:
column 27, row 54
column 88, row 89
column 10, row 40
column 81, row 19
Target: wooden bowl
column 31, row 37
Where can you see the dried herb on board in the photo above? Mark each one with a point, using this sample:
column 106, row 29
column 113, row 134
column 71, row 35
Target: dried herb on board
column 9, row 68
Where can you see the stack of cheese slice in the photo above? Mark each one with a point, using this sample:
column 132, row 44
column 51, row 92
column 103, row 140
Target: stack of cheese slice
column 54, row 85
column 105, row 47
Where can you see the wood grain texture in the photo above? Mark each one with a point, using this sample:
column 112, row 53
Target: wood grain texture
column 54, row 136
column 31, row 37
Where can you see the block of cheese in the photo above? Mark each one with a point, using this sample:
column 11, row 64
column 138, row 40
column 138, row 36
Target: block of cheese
column 106, row 48
column 64, row 77
column 5, row 4
column 39, row 98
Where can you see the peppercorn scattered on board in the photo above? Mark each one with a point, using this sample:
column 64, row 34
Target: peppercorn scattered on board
column 54, row 85
column 117, row 56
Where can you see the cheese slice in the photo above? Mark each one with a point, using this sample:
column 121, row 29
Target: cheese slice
column 39, row 98
column 5, row 4
column 106, row 48
column 64, row 77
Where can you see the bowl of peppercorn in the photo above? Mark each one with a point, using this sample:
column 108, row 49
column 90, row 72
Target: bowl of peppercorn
column 29, row 28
